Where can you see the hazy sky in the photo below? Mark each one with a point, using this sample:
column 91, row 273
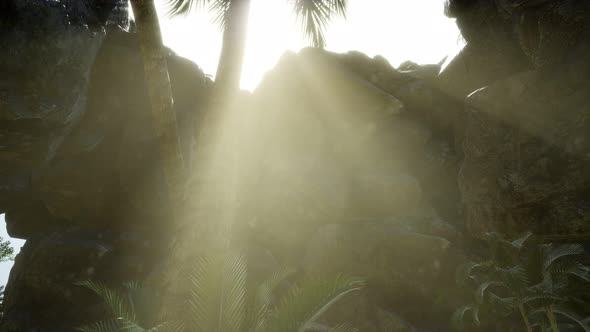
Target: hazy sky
column 399, row 30
column 16, row 244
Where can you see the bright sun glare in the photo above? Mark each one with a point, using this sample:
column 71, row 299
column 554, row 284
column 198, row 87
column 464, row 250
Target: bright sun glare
column 399, row 30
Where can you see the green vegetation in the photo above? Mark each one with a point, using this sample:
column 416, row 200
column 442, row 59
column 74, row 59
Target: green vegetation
column 6, row 250
column 221, row 301
column 6, row 254
column 545, row 285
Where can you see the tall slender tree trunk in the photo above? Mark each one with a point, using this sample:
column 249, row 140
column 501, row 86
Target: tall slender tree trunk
column 165, row 125
column 218, row 132
column 233, row 47
column 160, row 94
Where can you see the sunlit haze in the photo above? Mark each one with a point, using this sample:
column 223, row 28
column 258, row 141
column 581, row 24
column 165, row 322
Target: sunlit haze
column 413, row 30
column 399, row 30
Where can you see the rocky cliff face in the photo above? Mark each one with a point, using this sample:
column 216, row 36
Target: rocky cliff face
column 346, row 163
column 526, row 135
column 80, row 179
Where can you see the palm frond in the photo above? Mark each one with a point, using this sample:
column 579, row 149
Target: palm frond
column 315, row 15
column 260, row 309
column 391, row 322
column 579, row 270
column 110, row 325
column 170, row 326
column 471, row 270
column 463, row 273
column 129, row 326
column 346, row 327
column 119, row 304
column 476, row 319
column 458, row 318
column 571, row 316
column 482, row 289
column 539, row 315
column 552, row 255
column 543, row 298
column 498, row 244
column 219, row 9
column 519, row 243
column 338, row 7
column 304, row 304
column 217, row 296
column 221, row 12
column 515, row 277
column 182, row 7
column 144, row 302
column 504, row 305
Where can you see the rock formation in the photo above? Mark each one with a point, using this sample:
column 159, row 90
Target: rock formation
column 80, row 179
column 346, row 163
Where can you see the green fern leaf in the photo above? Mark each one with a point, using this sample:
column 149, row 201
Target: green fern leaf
column 519, row 243
column 304, row 304
column 111, row 325
column 480, row 293
column 571, row 316
column 458, row 319
column 551, row 255
column 171, row 326
column 346, row 327
column 218, row 292
column 263, row 299
column 118, row 303
column 476, row 319
column 129, row 326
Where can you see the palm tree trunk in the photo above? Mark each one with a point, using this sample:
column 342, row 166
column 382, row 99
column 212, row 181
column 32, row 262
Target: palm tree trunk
column 164, row 117
column 233, row 47
column 218, row 142
column 160, row 94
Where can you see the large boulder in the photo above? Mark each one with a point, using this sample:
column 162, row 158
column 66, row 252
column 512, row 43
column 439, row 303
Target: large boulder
column 108, row 167
column 351, row 168
column 409, row 265
column 42, row 294
column 526, row 139
column 92, row 205
column 48, row 48
column 333, row 145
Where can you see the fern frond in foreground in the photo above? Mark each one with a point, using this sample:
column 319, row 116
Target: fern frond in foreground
column 220, row 301
column 546, row 285
column 123, row 307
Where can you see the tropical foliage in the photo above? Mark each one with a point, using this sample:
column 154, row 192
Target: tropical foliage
column 6, row 250
column 130, row 307
column 6, row 254
column 543, row 284
column 221, row 301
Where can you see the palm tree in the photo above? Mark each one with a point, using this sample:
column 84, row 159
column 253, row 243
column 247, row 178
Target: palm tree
column 160, row 94
column 232, row 15
column 233, row 18
column 217, row 144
